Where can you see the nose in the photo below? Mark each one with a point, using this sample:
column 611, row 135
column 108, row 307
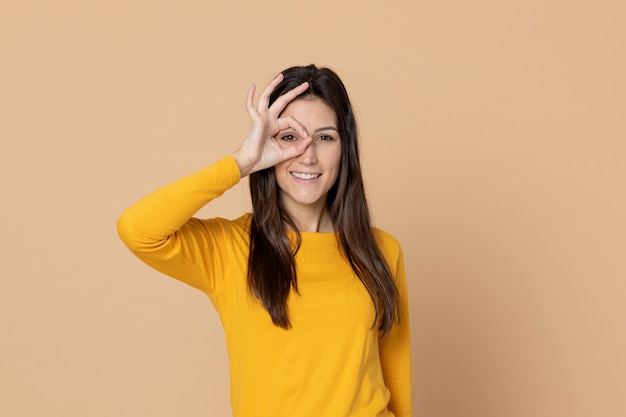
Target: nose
column 310, row 154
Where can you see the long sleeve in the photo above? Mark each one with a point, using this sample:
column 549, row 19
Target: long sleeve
column 330, row 360
column 161, row 231
column 395, row 352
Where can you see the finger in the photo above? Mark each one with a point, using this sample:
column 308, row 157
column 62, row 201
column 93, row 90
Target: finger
column 250, row 101
column 289, row 122
column 281, row 102
column 298, row 148
column 264, row 99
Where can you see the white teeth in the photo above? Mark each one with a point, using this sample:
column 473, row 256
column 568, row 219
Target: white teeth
column 304, row 176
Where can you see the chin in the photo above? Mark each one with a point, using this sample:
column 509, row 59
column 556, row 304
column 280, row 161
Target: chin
column 306, row 200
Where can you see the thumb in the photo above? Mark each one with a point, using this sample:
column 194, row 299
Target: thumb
column 299, row 148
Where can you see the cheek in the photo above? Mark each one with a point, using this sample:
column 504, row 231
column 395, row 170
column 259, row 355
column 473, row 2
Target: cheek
column 335, row 165
column 279, row 171
column 282, row 168
column 336, row 159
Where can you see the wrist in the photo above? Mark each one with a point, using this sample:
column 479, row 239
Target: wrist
column 245, row 167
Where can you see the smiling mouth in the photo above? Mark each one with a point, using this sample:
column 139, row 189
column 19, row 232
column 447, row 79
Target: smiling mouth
column 304, row 176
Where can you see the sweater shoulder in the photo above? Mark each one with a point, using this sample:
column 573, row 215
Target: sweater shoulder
column 386, row 240
column 228, row 228
column 241, row 222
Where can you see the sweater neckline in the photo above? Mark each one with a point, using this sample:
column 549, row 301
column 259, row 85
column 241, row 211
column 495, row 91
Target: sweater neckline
column 314, row 235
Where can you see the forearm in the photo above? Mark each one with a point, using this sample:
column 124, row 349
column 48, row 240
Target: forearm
column 154, row 218
column 395, row 352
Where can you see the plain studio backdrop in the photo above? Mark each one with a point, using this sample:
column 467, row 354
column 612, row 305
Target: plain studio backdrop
column 493, row 136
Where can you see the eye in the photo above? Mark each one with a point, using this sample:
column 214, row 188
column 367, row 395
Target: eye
column 288, row 138
column 326, row 138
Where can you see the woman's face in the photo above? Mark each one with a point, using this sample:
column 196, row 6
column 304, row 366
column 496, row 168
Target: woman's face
column 304, row 181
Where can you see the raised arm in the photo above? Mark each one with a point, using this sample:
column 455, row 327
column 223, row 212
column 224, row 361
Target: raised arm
column 160, row 228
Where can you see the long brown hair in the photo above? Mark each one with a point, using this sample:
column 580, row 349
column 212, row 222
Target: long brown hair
column 271, row 264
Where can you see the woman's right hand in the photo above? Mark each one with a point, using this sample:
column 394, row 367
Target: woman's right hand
column 261, row 149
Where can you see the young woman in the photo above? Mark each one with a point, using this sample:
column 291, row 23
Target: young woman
column 312, row 298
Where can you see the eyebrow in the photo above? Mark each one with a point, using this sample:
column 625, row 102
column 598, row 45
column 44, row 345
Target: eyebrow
column 319, row 129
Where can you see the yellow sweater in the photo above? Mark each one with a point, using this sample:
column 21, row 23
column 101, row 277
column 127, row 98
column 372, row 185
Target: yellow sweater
column 331, row 363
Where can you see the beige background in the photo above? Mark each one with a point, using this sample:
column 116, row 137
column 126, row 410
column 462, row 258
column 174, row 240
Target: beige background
column 494, row 141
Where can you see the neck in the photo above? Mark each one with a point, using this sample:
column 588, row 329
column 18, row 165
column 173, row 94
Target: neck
column 309, row 219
